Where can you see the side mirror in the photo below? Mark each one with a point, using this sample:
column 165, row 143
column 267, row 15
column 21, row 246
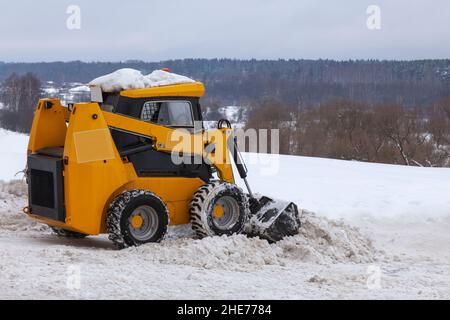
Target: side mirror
column 48, row 105
column 222, row 122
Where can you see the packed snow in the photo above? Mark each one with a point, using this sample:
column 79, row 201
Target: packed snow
column 127, row 78
column 370, row 220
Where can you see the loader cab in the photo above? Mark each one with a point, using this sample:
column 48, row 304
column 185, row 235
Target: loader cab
column 175, row 106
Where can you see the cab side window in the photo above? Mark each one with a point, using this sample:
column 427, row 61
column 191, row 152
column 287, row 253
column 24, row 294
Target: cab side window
column 168, row 113
column 150, row 111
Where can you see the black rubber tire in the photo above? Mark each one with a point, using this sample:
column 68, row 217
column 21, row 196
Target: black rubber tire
column 203, row 203
column 68, row 234
column 120, row 209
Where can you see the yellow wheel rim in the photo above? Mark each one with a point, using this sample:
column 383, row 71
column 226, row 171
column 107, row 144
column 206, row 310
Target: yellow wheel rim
column 137, row 221
column 218, row 211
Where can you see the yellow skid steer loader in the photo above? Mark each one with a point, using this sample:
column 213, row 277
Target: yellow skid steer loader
column 108, row 167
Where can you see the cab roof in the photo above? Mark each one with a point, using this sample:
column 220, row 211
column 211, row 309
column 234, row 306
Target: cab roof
column 195, row 89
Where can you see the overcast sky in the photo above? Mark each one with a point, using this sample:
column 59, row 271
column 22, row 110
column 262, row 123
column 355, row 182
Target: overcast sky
column 150, row 30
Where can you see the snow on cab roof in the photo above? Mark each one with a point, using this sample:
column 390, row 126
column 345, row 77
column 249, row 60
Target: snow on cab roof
column 127, row 78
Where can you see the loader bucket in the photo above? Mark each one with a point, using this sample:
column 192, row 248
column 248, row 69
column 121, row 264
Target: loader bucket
column 273, row 219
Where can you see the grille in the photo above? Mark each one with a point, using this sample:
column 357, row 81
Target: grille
column 42, row 188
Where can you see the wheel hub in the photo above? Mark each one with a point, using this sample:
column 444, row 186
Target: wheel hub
column 218, row 211
column 136, row 221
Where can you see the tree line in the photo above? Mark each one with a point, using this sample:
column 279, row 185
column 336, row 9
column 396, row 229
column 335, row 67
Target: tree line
column 348, row 130
column 419, row 83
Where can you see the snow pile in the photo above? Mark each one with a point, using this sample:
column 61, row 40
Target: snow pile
column 321, row 241
column 163, row 78
column 122, row 79
column 125, row 79
column 12, row 220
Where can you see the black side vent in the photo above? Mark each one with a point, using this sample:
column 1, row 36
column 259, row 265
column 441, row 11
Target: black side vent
column 42, row 188
column 46, row 187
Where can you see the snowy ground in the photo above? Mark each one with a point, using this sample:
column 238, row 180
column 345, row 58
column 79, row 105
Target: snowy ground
column 13, row 147
column 371, row 220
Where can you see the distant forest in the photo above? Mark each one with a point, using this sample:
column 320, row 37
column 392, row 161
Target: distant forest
column 377, row 111
column 296, row 83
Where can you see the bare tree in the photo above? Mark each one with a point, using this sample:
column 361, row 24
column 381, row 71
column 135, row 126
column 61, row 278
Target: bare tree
column 19, row 96
column 439, row 128
column 405, row 129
